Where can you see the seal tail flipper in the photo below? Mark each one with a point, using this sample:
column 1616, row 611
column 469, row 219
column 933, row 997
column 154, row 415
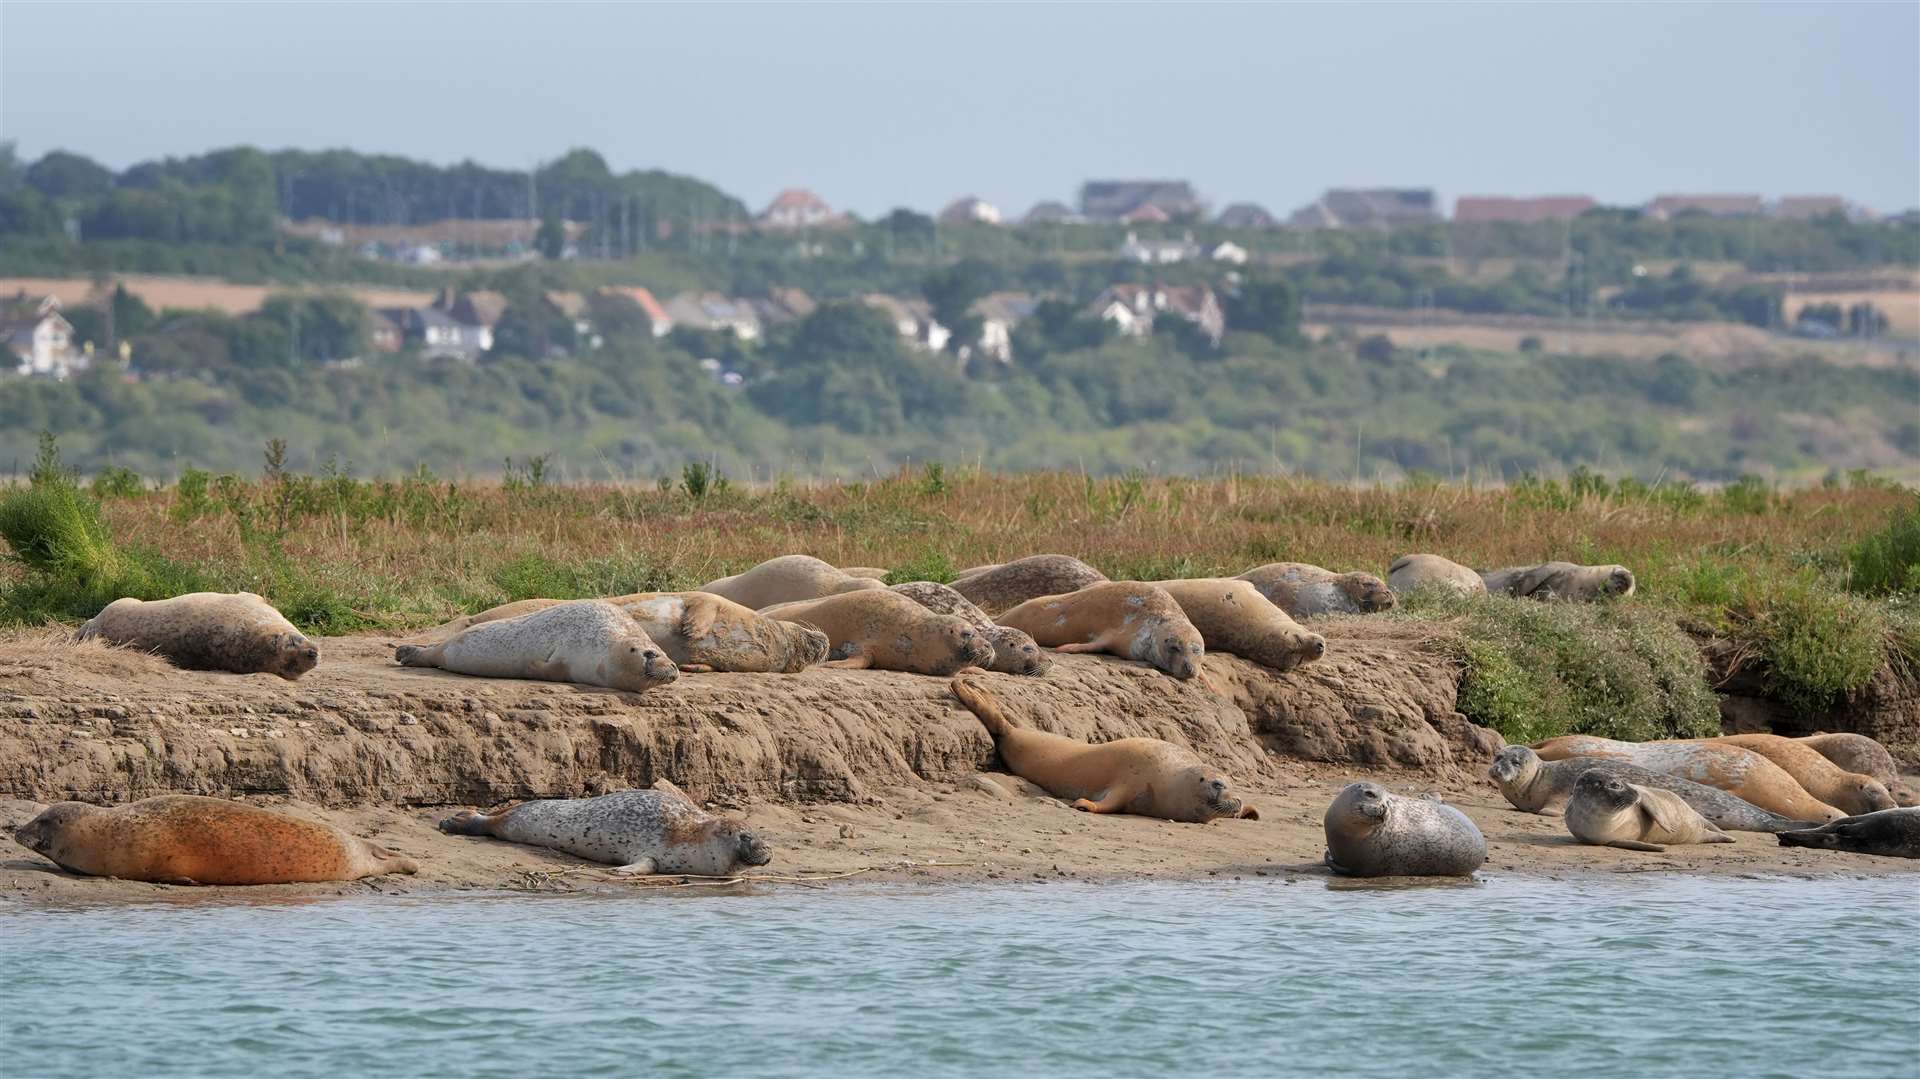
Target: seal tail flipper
column 1635, row 844
column 642, row 868
column 1247, row 812
column 1077, row 647
column 1820, row 837
column 392, row 861
column 416, row 655
column 983, row 705
column 467, row 822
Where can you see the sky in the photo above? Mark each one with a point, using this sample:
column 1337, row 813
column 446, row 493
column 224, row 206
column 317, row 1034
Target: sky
column 874, row 106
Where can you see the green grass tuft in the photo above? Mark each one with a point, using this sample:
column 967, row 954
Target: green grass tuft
column 1888, row 561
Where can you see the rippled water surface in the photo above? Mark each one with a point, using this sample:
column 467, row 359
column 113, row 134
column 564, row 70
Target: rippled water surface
column 1638, row 977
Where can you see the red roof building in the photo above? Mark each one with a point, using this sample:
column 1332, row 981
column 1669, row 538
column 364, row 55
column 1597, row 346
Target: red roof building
column 1479, row 209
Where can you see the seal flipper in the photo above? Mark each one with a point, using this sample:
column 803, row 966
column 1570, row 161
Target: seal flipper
column 1081, row 647
column 1635, row 844
column 468, row 822
column 697, row 619
column 642, row 868
column 1111, row 800
column 417, row 655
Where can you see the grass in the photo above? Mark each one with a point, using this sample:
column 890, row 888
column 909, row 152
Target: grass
column 1817, row 584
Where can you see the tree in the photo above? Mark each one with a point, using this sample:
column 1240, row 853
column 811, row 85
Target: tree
column 552, row 237
column 64, row 175
column 952, row 292
column 328, row 326
column 1269, row 306
column 27, row 212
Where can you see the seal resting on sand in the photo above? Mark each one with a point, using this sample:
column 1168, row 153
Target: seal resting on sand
column 1232, row 616
column 884, row 630
column 1560, row 580
column 1411, row 571
column 588, row 641
column 187, row 839
column 1892, row 833
column 1740, row 772
column 1608, row 811
column 1373, row 832
column 1532, row 784
column 1014, row 651
column 1143, row 776
column 1303, row 591
column 1126, row 618
column 209, row 631
column 874, row 572
column 1825, row 780
column 999, row 588
column 640, row 832
column 1858, row 753
column 698, row 631
column 787, row 579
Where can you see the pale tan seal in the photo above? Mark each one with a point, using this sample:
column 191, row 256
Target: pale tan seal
column 999, row 588
column 698, row 631
column 1126, row 618
column 1014, row 651
column 588, row 641
column 1858, row 753
column 209, row 631
column 1232, row 616
column 787, row 579
column 1890, row 833
column 882, row 629
column 187, row 839
column 1304, row 590
column 1825, row 780
column 1412, row 571
column 1561, row 581
column 1532, row 784
column 1608, row 811
column 1373, row 832
column 874, row 572
column 1740, row 772
column 640, row 832
column 1143, row 776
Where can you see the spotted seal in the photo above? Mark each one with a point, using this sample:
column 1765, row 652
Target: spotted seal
column 591, row 642
column 1014, row 651
column 1304, row 590
column 1126, row 618
column 999, row 588
column 1534, row 785
column 698, row 631
column 1740, row 772
column 1607, row 811
column 640, row 832
column 209, row 631
column 884, row 630
column 1373, row 832
column 1232, row 616
column 1561, row 581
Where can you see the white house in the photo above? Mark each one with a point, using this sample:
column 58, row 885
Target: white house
column 999, row 313
column 38, row 338
column 714, row 311
column 1230, row 252
column 1159, row 252
column 796, row 208
column 912, row 319
column 970, row 210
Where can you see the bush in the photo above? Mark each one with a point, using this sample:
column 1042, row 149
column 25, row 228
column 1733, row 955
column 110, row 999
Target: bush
column 116, row 482
column 1819, row 643
column 1888, row 561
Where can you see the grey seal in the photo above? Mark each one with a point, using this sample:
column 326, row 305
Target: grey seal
column 1533, row 785
column 791, row 578
column 640, row 832
column 588, row 641
column 1014, row 651
column 208, row 631
column 1891, row 833
column 1414, row 571
column 1561, row 581
column 1608, row 811
column 999, row 588
column 1304, row 590
column 1373, row 832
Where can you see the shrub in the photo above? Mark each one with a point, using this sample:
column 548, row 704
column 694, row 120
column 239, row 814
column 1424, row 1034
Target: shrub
column 116, row 482
column 1889, row 560
column 1818, row 642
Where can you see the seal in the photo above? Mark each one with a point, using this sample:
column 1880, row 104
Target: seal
column 882, row 629
column 1014, row 651
column 1411, row 571
column 1562, row 581
column 640, row 832
column 698, row 631
column 1143, row 776
column 1532, row 784
column 588, row 641
column 1373, row 832
column 1607, row 811
column 1825, row 780
column 209, row 631
column 1858, row 753
column 1126, row 618
column 787, row 579
column 1304, row 590
column 874, row 572
column 1892, row 833
column 997, row 589
column 1232, row 616
column 187, row 839
column 1740, row 772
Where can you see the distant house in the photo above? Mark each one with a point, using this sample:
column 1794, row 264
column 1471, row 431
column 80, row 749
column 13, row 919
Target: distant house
column 1246, row 215
column 913, row 319
column 1133, row 308
column 1197, row 304
column 438, row 334
column 1129, row 307
column 657, row 317
column 1159, row 252
column 715, row 311
column 1146, row 214
column 1373, row 207
column 572, row 306
column 999, row 313
column 481, row 307
column 797, row 208
column 39, row 338
column 1051, row 213
column 1808, row 207
column 1666, row 207
column 970, row 210
column 1490, row 209
column 1113, row 200
column 1230, row 253
column 782, row 305
column 385, row 332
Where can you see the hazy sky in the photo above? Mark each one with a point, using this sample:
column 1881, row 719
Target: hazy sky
column 879, row 106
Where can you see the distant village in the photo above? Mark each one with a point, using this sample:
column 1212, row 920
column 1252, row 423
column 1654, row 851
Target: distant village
column 460, row 325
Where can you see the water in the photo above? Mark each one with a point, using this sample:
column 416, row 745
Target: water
column 1652, row 976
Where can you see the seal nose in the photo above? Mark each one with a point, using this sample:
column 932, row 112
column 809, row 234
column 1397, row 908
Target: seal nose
column 1319, row 646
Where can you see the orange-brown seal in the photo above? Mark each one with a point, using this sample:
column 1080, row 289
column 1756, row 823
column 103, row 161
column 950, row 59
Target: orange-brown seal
column 1740, row 772
column 1858, row 753
column 1232, row 616
column 997, row 589
column 1144, row 776
column 1126, row 618
column 1304, row 590
column 209, row 631
column 1821, row 777
column 883, row 629
column 1560, row 580
column 787, row 579
column 1412, row 571
column 187, row 839
column 698, row 631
